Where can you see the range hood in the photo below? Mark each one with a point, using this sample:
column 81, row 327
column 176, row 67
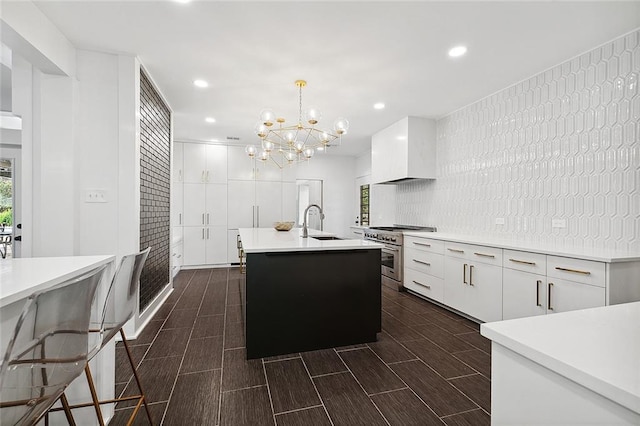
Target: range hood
column 404, row 151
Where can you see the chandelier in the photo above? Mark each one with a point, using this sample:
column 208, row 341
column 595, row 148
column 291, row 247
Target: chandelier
column 284, row 145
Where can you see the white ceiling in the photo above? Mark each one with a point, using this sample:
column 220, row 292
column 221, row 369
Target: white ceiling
column 352, row 54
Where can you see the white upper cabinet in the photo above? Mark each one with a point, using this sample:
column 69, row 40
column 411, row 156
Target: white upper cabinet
column 205, row 163
column 404, row 150
column 178, row 161
column 241, row 167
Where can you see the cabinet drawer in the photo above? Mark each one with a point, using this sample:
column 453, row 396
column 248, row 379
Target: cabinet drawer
column 577, row 270
column 534, row 263
column 424, row 284
column 474, row 253
column 424, row 244
column 177, row 255
column 424, row 261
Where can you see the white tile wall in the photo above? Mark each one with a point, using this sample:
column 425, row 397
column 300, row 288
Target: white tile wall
column 563, row 144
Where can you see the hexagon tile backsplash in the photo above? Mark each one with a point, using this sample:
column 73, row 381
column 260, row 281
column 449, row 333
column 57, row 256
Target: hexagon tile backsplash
column 563, row 144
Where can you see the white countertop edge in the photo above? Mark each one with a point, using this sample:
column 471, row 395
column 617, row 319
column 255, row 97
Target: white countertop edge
column 78, row 265
column 584, row 378
column 268, row 240
column 574, row 252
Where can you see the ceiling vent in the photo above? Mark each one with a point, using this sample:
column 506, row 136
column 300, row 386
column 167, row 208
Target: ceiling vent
column 233, row 138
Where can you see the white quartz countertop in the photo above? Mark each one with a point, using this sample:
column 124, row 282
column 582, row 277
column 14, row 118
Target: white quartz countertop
column 610, row 256
column 597, row 348
column 19, row 278
column 259, row 240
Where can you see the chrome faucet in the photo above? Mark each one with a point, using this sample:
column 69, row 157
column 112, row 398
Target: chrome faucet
column 305, row 231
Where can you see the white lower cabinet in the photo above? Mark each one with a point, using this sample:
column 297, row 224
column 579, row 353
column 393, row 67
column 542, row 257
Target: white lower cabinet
column 564, row 295
column 205, row 245
column 523, row 294
column 233, row 237
column 424, row 284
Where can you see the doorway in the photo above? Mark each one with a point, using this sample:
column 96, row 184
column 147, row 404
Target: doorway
column 310, row 192
column 6, row 207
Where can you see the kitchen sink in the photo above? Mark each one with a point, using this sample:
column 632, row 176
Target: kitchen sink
column 326, row 237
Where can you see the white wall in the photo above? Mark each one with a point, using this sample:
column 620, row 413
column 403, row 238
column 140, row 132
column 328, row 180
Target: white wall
column 337, row 174
column 563, row 144
column 382, row 198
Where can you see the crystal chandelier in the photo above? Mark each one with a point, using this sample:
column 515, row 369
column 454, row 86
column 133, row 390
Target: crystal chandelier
column 285, row 145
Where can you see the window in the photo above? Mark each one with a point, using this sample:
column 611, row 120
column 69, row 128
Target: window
column 364, row 205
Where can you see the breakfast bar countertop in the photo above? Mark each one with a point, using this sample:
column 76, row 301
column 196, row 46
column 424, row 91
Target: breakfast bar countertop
column 24, row 276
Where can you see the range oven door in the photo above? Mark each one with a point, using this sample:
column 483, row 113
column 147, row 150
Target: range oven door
column 391, row 266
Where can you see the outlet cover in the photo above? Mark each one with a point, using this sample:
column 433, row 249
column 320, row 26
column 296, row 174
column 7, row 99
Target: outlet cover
column 95, row 196
column 558, row 223
column 499, row 220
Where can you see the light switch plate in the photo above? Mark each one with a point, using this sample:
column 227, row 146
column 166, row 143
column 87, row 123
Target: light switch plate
column 95, row 196
column 499, row 220
column 558, row 223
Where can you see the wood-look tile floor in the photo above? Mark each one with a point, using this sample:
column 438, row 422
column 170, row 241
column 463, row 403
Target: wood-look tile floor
column 428, row 367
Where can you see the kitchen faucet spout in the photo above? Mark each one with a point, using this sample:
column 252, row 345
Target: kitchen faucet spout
column 305, row 231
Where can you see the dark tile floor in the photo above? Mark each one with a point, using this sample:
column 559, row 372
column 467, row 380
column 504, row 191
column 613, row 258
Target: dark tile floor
column 428, row 367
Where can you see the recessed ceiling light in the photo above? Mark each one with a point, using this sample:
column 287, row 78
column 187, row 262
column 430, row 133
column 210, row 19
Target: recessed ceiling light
column 457, row 51
column 182, row 1
column 378, row 105
column 210, row 120
column 200, row 83
column 401, row 138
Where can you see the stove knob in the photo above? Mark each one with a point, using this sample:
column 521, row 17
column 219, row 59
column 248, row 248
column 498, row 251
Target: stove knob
column 393, row 239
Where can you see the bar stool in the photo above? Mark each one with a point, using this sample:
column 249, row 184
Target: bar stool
column 119, row 307
column 48, row 350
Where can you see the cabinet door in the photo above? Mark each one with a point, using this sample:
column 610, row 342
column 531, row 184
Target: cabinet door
column 268, row 203
column 194, row 245
column 177, row 203
column 240, row 166
column 268, row 171
column 289, row 201
column 483, row 299
column 564, row 295
column 454, row 285
column 216, row 204
column 241, row 204
column 194, row 204
column 194, row 162
column 178, row 162
column 523, row 294
column 216, row 244
column 216, row 164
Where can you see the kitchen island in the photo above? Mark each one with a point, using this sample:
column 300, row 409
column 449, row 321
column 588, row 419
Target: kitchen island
column 305, row 294
column 579, row 367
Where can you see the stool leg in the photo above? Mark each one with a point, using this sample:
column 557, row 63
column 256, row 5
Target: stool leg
column 135, row 375
column 94, row 394
column 67, row 410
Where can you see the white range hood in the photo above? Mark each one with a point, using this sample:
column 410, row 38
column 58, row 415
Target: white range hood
column 404, row 151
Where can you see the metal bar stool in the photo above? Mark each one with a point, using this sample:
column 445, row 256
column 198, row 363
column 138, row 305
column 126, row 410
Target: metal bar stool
column 48, row 350
column 119, row 307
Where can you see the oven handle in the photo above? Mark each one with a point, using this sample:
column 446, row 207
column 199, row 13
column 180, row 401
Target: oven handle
column 390, row 249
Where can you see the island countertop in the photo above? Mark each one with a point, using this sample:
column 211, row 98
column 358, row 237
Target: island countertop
column 597, row 348
column 261, row 240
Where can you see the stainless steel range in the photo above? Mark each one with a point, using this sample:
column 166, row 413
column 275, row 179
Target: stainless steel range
column 391, row 237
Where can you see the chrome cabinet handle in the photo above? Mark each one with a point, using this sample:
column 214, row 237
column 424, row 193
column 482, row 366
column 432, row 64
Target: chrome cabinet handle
column 538, row 292
column 422, row 262
column 207, row 218
column 470, row 274
column 179, row 218
column 203, row 233
column 253, row 221
column 202, row 177
column 485, row 255
column 179, row 175
column 258, row 216
column 577, row 271
column 423, row 285
column 455, row 250
column 207, row 233
column 549, row 297
column 464, row 274
column 207, row 178
column 522, row 261
column 203, row 218
column 422, row 244
column 238, row 242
